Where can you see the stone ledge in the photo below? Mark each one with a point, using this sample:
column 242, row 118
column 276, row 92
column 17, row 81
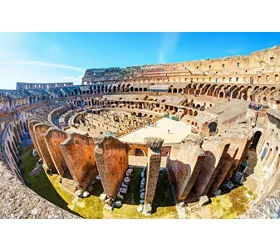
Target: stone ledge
column 19, row 202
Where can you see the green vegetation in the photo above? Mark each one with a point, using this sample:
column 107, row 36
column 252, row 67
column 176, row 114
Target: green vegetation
column 40, row 182
column 226, row 206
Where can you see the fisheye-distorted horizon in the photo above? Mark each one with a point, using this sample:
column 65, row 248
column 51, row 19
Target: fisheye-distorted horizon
column 64, row 57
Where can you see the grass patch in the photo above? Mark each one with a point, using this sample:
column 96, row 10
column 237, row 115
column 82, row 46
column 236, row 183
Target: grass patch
column 39, row 183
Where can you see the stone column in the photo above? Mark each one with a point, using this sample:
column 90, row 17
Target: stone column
column 154, row 158
column 78, row 152
column 39, row 132
column 112, row 162
column 53, row 138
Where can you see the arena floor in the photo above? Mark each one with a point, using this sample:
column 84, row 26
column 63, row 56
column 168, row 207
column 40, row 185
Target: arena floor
column 178, row 130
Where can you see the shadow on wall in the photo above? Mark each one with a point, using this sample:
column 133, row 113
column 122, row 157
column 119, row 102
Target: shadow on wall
column 179, row 174
column 39, row 183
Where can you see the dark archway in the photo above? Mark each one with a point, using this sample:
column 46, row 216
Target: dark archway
column 255, row 140
column 212, row 127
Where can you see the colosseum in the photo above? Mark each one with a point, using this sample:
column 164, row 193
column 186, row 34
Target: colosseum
column 197, row 139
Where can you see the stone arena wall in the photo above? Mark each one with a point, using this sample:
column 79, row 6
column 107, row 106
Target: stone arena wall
column 230, row 103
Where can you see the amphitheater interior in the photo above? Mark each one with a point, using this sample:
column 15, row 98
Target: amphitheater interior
column 197, row 139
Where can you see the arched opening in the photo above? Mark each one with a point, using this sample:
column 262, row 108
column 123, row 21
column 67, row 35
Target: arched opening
column 273, row 157
column 255, row 140
column 264, row 151
column 12, row 152
column 212, row 127
column 139, row 152
column 134, row 151
column 268, row 156
column 16, row 134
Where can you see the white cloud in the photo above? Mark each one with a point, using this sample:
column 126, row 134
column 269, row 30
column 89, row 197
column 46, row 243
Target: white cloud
column 12, row 73
column 168, row 46
column 44, row 64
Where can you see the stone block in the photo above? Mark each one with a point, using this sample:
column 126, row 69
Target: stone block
column 142, row 195
column 118, row 203
column 103, row 197
column 123, row 190
column 217, row 193
column 127, row 180
column 79, row 193
column 108, row 207
column 140, row 208
column 129, row 171
column 86, row 194
column 123, row 185
column 119, row 196
column 147, row 210
column 204, row 200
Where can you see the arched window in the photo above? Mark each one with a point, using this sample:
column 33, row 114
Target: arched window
column 264, row 151
column 255, row 140
column 212, row 127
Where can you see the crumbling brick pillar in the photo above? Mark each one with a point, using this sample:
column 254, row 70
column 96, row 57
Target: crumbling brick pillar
column 154, row 158
column 78, row 152
column 223, row 162
column 112, row 162
column 214, row 148
column 54, row 137
column 243, row 146
column 39, row 132
column 226, row 163
column 31, row 124
column 183, row 165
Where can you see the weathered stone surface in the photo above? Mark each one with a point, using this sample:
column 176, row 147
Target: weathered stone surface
column 140, row 208
column 112, row 163
column 124, row 185
column 204, row 200
column 147, row 210
column 108, row 207
column 79, row 193
column 126, row 180
column 86, row 194
column 81, row 163
column 123, row 190
column 102, row 197
column 19, row 202
column 142, row 195
column 118, row 203
column 154, row 143
column 181, row 204
column 129, row 171
column 119, row 196
column 217, row 193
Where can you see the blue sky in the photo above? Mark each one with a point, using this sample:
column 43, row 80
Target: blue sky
column 59, row 57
